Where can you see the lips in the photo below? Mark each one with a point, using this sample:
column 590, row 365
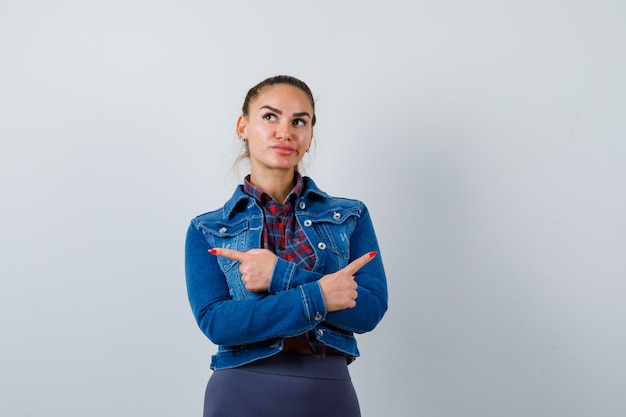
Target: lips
column 282, row 149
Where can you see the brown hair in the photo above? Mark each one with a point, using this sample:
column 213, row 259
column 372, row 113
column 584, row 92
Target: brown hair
column 254, row 92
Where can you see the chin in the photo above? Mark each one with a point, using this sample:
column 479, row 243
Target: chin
column 286, row 164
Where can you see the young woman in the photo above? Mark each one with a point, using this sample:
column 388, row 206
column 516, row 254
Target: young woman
column 283, row 275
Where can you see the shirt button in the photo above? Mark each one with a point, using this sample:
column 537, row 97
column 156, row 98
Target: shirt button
column 307, row 223
column 318, row 316
column 321, row 246
column 302, row 205
column 336, row 216
column 223, row 230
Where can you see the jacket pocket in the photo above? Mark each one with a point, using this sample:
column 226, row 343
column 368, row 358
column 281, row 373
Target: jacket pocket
column 229, row 236
column 334, row 229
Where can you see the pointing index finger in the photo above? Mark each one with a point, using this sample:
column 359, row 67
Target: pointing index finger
column 359, row 263
column 227, row 253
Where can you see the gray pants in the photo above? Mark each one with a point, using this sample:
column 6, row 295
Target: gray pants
column 283, row 385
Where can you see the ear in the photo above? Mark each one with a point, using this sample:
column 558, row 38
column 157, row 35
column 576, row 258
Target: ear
column 241, row 127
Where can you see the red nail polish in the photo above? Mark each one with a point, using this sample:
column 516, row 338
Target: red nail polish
column 212, row 251
column 372, row 254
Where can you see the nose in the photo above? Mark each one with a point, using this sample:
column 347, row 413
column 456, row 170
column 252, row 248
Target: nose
column 283, row 131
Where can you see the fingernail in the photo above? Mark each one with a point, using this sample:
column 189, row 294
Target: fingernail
column 212, row 251
column 372, row 254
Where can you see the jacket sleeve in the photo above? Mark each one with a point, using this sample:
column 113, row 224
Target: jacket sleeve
column 371, row 303
column 237, row 322
column 372, row 283
column 288, row 275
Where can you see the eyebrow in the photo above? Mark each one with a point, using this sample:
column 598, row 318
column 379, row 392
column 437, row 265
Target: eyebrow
column 299, row 114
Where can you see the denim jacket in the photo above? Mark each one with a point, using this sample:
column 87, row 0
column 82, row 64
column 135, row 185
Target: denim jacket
column 248, row 326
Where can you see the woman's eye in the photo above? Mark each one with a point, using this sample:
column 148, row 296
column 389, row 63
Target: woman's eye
column 270, row 116
column 299, row 122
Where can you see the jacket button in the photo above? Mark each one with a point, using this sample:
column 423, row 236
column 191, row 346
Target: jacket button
column 336, row 216
column 318, row 316
column 223, row 230
column 302, row 205
column 321, row 246
column 320, row 332
column 307, row 223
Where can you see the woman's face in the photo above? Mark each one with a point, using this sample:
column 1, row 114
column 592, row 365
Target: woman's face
column 278, row 128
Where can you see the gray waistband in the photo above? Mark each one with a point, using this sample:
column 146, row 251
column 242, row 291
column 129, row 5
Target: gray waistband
column 307, row 366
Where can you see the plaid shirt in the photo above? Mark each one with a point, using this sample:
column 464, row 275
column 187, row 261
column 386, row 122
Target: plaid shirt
column 281, row 232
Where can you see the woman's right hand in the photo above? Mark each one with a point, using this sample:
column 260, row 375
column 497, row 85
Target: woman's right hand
column 340, row 288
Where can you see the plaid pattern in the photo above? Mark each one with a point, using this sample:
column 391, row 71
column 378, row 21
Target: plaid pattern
column 281, row 232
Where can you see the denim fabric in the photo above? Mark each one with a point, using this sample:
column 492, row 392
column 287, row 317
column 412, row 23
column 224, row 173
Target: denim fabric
column 248, row 326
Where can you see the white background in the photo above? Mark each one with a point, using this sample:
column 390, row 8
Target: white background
column 487, row 138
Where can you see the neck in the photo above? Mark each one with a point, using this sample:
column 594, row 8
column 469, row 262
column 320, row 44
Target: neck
column 278, row 184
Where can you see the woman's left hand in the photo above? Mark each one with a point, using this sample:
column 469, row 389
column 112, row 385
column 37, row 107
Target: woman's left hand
column 256, row 266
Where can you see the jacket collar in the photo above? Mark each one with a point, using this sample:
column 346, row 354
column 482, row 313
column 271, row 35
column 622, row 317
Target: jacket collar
column 240, row 200
column 311, row 190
